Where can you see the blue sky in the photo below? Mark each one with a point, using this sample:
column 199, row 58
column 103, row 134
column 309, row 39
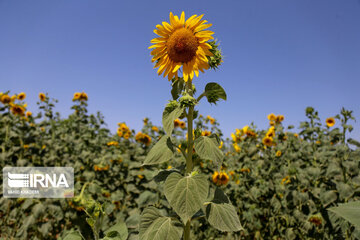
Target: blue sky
column 280, row 56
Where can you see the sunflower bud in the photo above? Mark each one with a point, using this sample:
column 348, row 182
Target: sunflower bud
column 216, row 59
column 171, row 105
column 187, row 101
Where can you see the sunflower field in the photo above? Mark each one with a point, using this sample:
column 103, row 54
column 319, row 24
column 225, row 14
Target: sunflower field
column 183, row 179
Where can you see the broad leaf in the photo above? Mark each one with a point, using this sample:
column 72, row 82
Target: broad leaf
column 186, row 194
column 73, row 236
column 177, row 87
column 214, row 92
column 159, row 153
column 221, row 214
column 163, row 174
column 349, row 211
column 208, row 148
column 154, row 226
column 169, row 117
column 118, row 231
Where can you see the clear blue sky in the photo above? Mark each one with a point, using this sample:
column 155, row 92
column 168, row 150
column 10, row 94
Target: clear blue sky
column 280, row 56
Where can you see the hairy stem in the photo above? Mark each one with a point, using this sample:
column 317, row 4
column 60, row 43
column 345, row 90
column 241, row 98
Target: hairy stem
column 190, row 145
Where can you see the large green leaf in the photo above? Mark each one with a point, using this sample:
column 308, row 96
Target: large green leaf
column 119, row 231
column 186, row 194
column 73, row 236
column 208, row 148
column 221, row 214
column 223, row 217
column 349, row 211
column 154, row 226
column 177, row 87
column 169, row 117
column 160, row 153
column 213, row 92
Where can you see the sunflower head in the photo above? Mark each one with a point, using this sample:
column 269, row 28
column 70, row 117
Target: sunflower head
column 182, row 44
column 267, row 141
column 278, row 153
column 271, row 117
column 18, row 110
column 76, row 96
column 330, row 122
column 5, row 99
column 21, row 96
column 42, row 97
column 83, row 97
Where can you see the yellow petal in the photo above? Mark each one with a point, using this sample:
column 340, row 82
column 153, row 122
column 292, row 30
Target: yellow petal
column 189, row 21
column 172, row 19
column 178, row 65
column 167, row 26
column 202, row 27
column 182, row 18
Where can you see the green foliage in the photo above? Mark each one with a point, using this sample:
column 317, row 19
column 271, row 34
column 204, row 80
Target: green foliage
column 186, row 194
column 169, row 115
column 286, row 196
column 155, row 226
column 214, row 92
column 161, row 152
column 208, row 148
column 349, row 211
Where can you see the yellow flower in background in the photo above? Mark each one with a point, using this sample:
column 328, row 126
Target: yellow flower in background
column 285, row 180
column 182, row 125
column 221, row 144
column 28, row 114
column 143, row 138
column 250, row 133
column 296, row 135
column 271, row 117
column 220, row 178
column 267, row 141
column 212, row 120
column 5, row 99
column 177, row 122
column 278, row 153
column 17, row 110
column 205, row 133
column 155, row 129
column 13, row 98
column 42, row 97
column 119, row 132
column 271, row 132
column 123, row 127
column 113, row 143
column 236, row 147
column 21, row 96
column 280, row 118
column 146, row 120
column 76, row 96
column 233, row 136
column 126, row 135
column 83, row 97
column 330, row 122
column 182, row 44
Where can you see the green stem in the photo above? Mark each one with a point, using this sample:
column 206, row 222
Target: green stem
column 187, row 231
column 190, row 145
column 190, row 141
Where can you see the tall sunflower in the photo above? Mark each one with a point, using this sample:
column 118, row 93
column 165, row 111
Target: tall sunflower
column 182, row 44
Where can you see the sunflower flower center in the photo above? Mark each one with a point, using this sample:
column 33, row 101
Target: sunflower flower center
column 182, row 45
